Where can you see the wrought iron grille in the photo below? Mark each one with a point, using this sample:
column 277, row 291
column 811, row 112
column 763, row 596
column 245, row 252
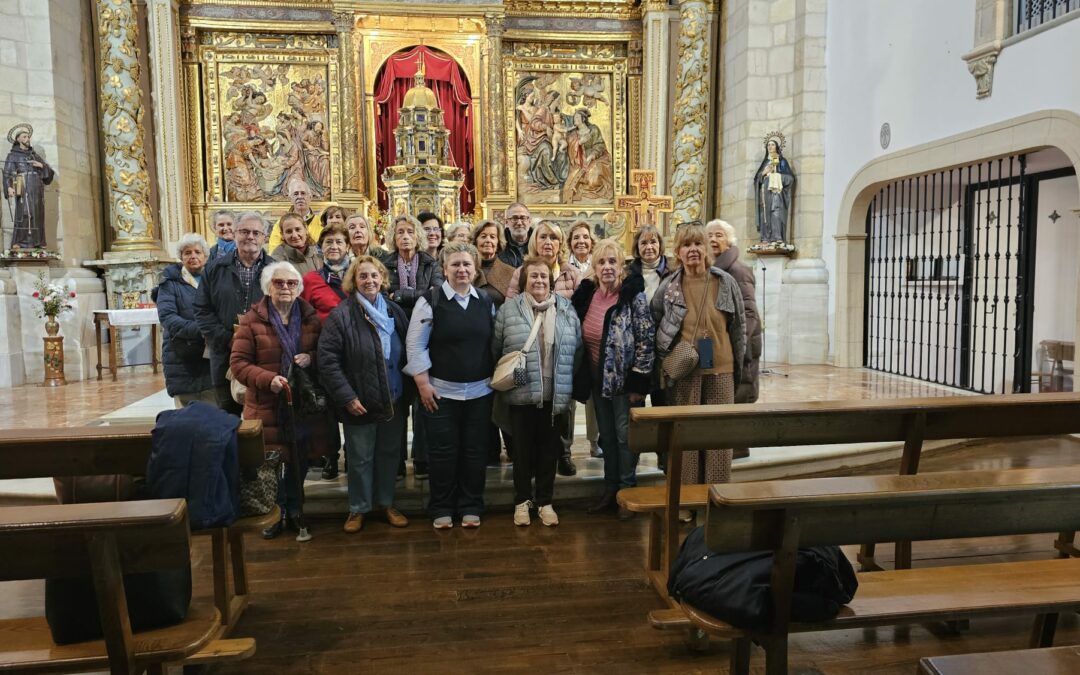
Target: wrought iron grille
column 1033, row 13
column 947, row 275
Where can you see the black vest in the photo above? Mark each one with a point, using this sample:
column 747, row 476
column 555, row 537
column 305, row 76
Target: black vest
column 460, row 343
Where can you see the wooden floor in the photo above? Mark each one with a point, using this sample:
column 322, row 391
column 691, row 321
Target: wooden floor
column 565, row 600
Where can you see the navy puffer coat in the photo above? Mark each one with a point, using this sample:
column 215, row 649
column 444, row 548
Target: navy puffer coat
column 182, row 345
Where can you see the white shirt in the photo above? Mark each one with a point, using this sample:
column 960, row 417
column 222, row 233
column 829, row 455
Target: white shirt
column 419, row 359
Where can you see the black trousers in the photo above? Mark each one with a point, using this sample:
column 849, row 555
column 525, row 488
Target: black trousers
column 457, row 435
column 537, row 447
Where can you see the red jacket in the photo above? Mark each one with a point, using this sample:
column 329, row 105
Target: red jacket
column 319, row 294
column 256, row 359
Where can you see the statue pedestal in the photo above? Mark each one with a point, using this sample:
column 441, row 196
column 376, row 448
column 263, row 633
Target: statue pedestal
column 129, row 277
column 793, row 298
column 54, row 361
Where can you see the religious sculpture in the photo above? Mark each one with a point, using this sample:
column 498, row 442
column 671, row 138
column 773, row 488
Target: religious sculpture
column 774, row 187
column 25, row 176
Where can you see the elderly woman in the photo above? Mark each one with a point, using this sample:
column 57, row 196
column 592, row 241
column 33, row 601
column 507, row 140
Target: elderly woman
column 699, row 305
column 460, row 232
column 547, row 242
column 361, row 239
column 323, row 288
column 649, row 259
column 494, row 275
column 280, row 332
column 538, row 409
column 581, row 246
column 412, row 272
column 297, row 247
column 618, row 333
column 187, row 370
column 432, row 239
column 361, row 354
column 449, row 329
column 725, row 250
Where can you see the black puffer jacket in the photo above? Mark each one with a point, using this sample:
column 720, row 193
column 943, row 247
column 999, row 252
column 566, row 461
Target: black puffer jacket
column 218, row 304
column 428, row 275
column 182, row 345
column 351, row 363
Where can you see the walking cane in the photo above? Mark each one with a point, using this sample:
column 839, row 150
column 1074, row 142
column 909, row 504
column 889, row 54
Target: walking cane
column 288, row 431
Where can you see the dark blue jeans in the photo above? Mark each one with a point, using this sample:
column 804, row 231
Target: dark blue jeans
column 457, row 444
column 613, row 421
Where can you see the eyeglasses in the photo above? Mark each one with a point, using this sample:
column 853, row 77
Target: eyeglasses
column 285, row 283
column 433, row 230
column 519, row 218
column 692, row 223
column 249, row 233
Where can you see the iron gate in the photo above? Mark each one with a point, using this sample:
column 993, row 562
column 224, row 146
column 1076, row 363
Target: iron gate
column 948, row 276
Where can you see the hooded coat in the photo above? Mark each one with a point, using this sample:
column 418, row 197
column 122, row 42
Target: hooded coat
column 187, row 371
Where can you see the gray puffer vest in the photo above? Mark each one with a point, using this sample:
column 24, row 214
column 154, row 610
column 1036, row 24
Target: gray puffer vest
column 512, row 326
column 668, row 308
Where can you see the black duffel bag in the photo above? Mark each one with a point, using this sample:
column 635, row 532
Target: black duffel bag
column 735, row 587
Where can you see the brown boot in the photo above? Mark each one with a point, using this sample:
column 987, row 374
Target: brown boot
column 605, row 503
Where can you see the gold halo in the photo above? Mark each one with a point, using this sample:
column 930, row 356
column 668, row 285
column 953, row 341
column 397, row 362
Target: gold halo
column 14, row 131
column 777, row 136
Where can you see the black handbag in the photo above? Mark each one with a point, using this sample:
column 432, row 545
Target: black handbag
column 736, row 587
column 188, row 349
column 309, row 397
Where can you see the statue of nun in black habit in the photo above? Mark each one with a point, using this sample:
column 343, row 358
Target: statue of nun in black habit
column 25, row 176
column 774, row 186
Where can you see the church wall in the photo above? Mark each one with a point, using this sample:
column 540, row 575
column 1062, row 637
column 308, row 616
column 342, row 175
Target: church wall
column 902, row 63
column 47, row 79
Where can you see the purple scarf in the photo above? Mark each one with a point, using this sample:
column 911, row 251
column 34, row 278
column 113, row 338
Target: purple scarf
column 288, row 336
column 406, row 272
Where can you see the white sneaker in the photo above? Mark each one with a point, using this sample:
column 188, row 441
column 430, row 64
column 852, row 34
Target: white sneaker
column 521, row 513
column 548, row 517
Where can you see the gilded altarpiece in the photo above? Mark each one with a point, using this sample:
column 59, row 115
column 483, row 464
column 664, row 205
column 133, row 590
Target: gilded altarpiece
column 271, row 111
column 565, row 108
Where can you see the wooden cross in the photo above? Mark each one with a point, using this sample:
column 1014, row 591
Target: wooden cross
column 642, row 206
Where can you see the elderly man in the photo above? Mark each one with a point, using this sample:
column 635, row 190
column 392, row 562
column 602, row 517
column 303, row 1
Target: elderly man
column 518, row 230
column 222, row 222
column 300, row 194
column 229, row 286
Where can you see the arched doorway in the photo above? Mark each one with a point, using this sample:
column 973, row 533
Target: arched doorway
column 447, row 79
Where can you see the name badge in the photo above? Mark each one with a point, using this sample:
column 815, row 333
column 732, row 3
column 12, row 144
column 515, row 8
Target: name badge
column 704, row 350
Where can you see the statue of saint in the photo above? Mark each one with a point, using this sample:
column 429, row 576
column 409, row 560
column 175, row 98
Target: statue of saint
column 774, row 186
column 25, row 176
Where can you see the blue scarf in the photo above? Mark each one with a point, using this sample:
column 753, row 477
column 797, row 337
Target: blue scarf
column 380, row 316
column 288, row 336
column 225, row 247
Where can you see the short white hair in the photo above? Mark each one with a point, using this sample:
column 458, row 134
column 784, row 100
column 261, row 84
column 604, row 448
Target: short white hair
column 254, row 215
column 451, row 230
column 191, row 239
column 729, row 231
column 281, row 266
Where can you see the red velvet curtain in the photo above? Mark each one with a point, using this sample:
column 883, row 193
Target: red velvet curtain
column 445, row 77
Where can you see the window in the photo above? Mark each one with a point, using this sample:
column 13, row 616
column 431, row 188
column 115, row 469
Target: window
column 1034, row 13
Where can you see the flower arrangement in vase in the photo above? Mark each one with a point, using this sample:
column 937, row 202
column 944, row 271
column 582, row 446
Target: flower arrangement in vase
column 54, row 299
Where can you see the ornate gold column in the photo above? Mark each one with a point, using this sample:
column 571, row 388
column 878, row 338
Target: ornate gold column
column 633, row 94
column 162, row 20
column 192, row 83
column 689, row 151
column 121, row 82
column 352, row 168
column 495, row 132
column 654, row 96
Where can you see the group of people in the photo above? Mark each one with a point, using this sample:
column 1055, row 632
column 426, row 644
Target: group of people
column 421, row 328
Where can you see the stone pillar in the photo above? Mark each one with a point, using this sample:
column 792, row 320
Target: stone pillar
column 993, row 23
column 352, row 164
column 172, row 174
column 690, row 159
column 656, row 115
column 121, row 81
column 495, row 127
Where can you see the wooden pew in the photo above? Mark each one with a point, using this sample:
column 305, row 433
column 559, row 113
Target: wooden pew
column 1049, row 661
column 102, row 541
column 783, row 515
column 910, row 421
column 125, row 449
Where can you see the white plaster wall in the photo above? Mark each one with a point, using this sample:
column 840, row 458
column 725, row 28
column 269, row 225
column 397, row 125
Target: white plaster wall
column 1056, row 264
column 900, row 62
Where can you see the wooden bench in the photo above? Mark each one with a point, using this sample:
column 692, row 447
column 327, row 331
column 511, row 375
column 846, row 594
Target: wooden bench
column 1050, row 661
column 908, row 421
column 783, row 515
column 102, row 541
column 125, row 449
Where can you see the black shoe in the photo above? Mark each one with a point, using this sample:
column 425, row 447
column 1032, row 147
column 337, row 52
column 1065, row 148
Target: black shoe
column 296, row 523
column 330, row 471
column 275, row 529
column 605, row 503
column 420, row 470
column 565, row 466
column 740, row 453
